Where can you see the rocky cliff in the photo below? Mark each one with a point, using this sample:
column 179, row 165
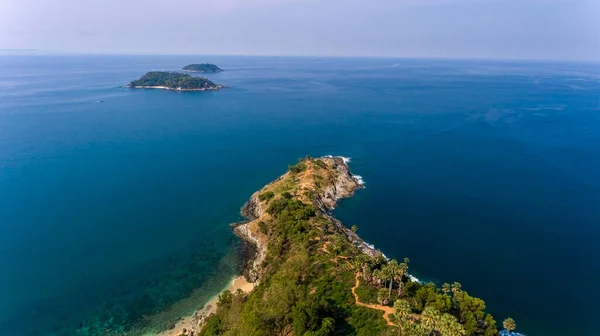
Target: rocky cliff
column 326, row 180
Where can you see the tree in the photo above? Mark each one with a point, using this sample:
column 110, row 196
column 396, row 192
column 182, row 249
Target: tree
column 354, row 228
column 402, row 272
column 402, row 312
column 449, row 326
column 382, row 296
column 429, row 318
column 392, row 270
column 327, row 327
column 338, row 244
column 446, row 288
column 456, row 287
column 509, row 324
column 378, row 277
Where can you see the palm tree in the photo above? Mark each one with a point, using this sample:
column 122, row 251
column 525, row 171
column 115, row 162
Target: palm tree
column 429, row 318
column 402, row 310
column 402, row 313
column 414, row 329
column 402, row 272
column 382, row 296
column 367, row 274
column 446, row 288
column 360, row 261
column 456, row 287
column 449, row 326
column 392, row 270
column 509, row 324
column 377, row 277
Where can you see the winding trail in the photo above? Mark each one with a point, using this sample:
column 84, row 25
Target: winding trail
column 386, row 310
column 324, row 248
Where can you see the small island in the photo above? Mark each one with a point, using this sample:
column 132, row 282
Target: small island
column 173, row 81
column 204, row 67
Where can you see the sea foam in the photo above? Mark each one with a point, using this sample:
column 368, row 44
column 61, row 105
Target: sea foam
column 359, row 179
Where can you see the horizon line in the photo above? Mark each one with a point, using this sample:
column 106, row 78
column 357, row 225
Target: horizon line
column 23, row 52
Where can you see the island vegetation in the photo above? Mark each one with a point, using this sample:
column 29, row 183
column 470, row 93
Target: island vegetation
column 203, row 67
column 173, row 81
column 316, row 277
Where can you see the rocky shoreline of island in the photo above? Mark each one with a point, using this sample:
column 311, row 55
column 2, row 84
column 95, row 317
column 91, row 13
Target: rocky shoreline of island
column 202, row 68
column 173, row 81
column 254, row 247
column 293, row 248
column 212, row 88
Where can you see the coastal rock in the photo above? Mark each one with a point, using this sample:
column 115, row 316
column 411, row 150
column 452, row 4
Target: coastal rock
column 253, row 252
column 253, row 208
column 344, row 185
column 341, row 185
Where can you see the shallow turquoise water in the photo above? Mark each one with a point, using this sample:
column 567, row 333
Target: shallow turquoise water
column 480, row 172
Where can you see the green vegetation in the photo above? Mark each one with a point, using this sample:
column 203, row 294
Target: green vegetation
column 204, row 67
column 263, row 228
column 320, row 164
column 509, row 324
column 174, row 81
column 297, row 168
column 310, row 269
column 367, row 294
column 266, row 196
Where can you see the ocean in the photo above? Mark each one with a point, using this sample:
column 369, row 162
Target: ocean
column 115, row 203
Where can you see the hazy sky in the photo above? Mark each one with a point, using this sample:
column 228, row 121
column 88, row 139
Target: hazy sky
column 541, row 29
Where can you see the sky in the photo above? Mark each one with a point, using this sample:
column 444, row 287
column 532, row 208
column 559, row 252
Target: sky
column 496, row 29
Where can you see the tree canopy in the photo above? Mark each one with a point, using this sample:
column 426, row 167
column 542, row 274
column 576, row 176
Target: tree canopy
column 173, row 80
column 203, row 67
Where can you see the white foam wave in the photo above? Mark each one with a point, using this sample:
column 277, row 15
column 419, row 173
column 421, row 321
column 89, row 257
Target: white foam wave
column 359, row 179
column 344, row 158
column 414, row 278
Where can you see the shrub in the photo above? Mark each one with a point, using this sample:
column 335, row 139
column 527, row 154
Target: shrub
column 266, row 196
column 319, row 163
column 262, row 227
column 297, row 168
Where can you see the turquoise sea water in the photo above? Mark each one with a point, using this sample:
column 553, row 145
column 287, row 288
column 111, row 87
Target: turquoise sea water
column 481, row 172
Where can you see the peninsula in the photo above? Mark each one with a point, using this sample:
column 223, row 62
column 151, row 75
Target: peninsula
column 312, row 276
column 204, row 67
column 173, row 81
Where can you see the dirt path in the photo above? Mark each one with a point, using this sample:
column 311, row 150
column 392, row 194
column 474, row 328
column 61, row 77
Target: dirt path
column 386, row 310
column 324, row 248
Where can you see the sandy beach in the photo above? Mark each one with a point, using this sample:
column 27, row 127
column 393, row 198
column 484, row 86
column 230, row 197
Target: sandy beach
column 194, row 321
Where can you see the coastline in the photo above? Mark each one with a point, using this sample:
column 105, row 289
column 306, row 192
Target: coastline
column 194, row 321
column 211, row 88
column 196, row 71
column 255, row 249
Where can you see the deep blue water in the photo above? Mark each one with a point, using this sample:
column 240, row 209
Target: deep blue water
column 481, row 172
